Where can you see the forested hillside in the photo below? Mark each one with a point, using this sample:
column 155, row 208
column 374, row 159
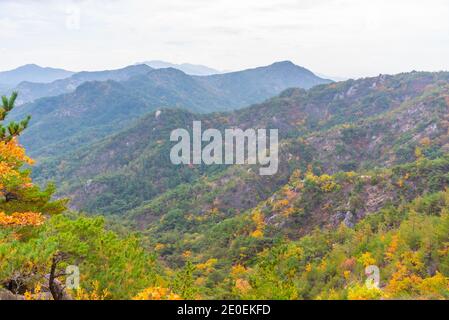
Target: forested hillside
column 339, row 127
column 30, row 91
column 362, row 182
column 94, row 109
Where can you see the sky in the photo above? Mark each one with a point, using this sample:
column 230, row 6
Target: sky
column 345, row 38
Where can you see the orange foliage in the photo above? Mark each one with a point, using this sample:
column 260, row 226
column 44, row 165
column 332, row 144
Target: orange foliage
column 21, row 219
column 426, row 142
column 12, row 158
column 349, row 264
column 13, row 154
column 391, row 250
column 242, row 285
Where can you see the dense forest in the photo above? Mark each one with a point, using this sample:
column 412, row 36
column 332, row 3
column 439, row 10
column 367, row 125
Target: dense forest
column 361, row 188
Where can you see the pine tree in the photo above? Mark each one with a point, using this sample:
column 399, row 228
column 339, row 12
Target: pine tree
column 21, row 202
column 13, row 129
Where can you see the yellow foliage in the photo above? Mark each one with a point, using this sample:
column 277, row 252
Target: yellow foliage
column 323, row 265
column 351, row 174
column 402, row 281
column 435, row 286
column 257, row 218
column 208, row 265
column 364, row 293
column 237, row 270
column 367, row 259
column 325, row 182
column 95, row 294
column 157, row 293
column 418, row 153
column 257, row 234
column 308, row 267
column 35, row 295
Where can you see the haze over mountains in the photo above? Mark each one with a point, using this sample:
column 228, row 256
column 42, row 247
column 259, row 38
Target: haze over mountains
column 97, row 108
column 31, row 73
column 30, row 91
column 188, row 68
column 363, row 175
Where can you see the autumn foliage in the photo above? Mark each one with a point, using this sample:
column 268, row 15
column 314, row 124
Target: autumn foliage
column 21, row 203
column 157, row 293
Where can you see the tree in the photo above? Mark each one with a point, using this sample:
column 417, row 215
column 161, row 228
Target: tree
column 22, row 203
column 13, row 129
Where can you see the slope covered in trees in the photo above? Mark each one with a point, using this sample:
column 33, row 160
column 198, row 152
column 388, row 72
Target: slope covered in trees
column 339, row 127
column 361, row 189
column 41, row 242
column 93, row 109
column 33, row 90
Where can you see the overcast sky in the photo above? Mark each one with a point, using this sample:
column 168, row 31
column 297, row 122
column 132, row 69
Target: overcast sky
column 349, row 38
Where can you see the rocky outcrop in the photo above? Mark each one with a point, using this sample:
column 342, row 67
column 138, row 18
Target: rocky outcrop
column 8, row 295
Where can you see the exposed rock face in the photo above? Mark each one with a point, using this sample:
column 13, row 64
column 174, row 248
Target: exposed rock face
column 343, row 217
column 349, row 219
column 8, row 295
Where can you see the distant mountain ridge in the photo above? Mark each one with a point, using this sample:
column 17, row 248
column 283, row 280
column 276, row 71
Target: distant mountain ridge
column 96, row 109
column 248, row 85
column 188, row 68
column 32, row 73
column 30, row 91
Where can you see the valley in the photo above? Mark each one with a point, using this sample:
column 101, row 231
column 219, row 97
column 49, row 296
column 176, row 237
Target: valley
column 228, row 154
column 353, row 155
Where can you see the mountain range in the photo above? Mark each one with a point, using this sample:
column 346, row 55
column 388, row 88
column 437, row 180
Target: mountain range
column 353, row 125
column 188, row 68
column 343, row 147
column 98, row 108
column 362, row 183
column 30, row 91
column 31, row 73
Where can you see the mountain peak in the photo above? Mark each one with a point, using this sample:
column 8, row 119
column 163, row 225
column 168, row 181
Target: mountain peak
column 32, row 73
column 284, row 63
column 29, row 66
column 188, row 68
column 287, row 64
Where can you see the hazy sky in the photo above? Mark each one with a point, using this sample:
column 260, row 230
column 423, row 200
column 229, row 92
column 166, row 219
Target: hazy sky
column 337, row 37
